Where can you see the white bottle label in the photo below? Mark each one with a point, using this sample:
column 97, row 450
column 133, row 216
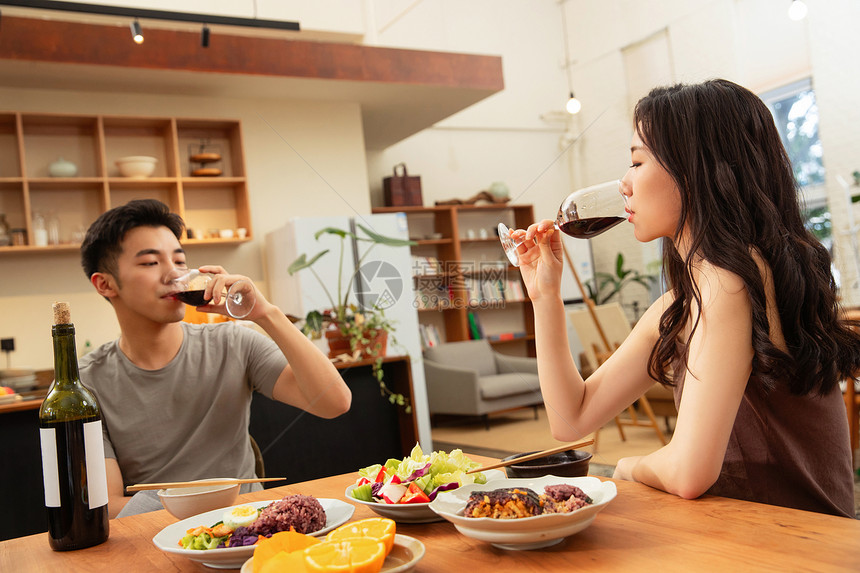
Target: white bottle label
column 95, row 463
column 50, row 471
column 94, row 447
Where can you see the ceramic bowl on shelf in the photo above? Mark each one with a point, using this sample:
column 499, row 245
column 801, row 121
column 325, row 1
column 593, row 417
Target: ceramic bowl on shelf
column 571, row 463
column 136, row 166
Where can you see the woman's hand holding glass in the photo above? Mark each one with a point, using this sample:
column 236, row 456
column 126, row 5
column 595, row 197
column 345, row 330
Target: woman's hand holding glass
column 540, row 258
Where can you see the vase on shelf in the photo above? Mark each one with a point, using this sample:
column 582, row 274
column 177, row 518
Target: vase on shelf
column 62, row 168
column 5, row 231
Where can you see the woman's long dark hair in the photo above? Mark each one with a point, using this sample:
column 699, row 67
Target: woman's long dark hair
column 719, row 143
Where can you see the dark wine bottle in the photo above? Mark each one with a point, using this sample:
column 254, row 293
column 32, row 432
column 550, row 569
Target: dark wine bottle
column 73, row 461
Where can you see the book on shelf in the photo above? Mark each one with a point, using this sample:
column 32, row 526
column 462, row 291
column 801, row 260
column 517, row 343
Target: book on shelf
column 422, row 266
column 513, row 291
column 476, row 331
column 429, row 336
column 432, row 296
column 506, row 336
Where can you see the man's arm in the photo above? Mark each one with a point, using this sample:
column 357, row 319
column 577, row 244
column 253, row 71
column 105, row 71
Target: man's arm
column 310, row 381
column 116, row 489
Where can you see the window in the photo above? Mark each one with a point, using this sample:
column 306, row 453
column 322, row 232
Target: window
column 795, row 113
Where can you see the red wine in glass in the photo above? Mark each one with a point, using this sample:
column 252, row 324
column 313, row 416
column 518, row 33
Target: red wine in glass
column 591, row 227
column 239, row 300
column 192, row 297
column 583, row 214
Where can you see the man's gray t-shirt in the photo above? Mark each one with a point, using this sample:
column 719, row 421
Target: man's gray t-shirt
column 189, row 419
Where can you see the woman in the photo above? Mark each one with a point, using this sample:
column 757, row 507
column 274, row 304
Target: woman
column 748, row 335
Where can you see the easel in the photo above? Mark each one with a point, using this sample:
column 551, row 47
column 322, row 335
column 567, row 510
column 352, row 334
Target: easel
column 602, row 356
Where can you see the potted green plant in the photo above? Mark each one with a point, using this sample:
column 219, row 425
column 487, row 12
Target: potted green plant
column 604, row 286
column 349, row 330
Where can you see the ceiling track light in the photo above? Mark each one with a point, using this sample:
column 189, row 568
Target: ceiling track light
column 204, row 36
column 123, row 12
column 136, row 32
column 797, row 10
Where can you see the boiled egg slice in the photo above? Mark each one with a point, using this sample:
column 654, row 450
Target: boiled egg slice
column 241, row 516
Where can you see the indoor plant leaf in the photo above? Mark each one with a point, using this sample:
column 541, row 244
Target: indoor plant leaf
column 302, row 263
column 333, row 231
column 383, row 240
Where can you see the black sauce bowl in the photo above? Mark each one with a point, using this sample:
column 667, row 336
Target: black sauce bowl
column 571, row 463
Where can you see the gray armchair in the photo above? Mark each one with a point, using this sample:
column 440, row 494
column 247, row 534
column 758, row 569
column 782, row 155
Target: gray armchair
column 470, row 378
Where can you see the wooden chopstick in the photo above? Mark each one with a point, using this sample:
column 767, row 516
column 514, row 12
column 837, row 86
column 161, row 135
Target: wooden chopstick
column 165, row 485
column 534, row 456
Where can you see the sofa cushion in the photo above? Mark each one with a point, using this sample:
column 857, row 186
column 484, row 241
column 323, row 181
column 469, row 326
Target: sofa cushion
column 503, row 385
column 472, row 354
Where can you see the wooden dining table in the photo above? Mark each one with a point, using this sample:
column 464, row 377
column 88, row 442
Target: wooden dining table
column 642, row 529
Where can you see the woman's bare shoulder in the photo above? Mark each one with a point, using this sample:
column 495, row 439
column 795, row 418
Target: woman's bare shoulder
column 714, row 281
column 650, row 319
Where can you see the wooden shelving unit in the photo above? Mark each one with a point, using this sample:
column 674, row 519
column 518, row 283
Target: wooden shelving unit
column 452, row 235
column 30, row 142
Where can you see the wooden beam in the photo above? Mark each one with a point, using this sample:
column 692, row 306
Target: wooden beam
column 37, row 40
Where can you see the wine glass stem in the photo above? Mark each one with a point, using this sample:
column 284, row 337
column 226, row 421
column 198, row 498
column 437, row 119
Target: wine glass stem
column 518, row 242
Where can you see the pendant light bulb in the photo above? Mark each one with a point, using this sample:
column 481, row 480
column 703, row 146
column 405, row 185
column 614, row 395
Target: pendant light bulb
column 136, row 32
column 573, row 105
column 797, row 11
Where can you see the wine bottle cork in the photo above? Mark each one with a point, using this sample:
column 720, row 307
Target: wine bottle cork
column 62, row 314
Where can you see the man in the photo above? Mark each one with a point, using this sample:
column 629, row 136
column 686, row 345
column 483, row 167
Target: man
column 175, row 397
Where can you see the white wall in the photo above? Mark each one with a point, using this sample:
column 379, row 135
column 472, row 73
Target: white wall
column 502, row 138
column 618, row 50
column 834, row 55
column 752, row 42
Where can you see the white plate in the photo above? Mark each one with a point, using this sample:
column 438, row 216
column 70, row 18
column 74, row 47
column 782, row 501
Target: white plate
column 9, row 398
column 405, row 554
column 526, row 532
column 412, row 512
column 336, row 513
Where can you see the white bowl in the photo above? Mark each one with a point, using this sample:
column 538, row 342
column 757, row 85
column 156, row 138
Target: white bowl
column 136, row 166
column 526, row 532
column 399, row 512
column 183, row 502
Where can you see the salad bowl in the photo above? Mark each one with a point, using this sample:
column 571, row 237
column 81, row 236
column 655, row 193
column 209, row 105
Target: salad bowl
column 412, row 512
column 525, row 532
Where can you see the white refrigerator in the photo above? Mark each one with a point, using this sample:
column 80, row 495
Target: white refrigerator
column 386, row 275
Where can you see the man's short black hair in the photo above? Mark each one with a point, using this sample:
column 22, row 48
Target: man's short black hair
column 101, row 246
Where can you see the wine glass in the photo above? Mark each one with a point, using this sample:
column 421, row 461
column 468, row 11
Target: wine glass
column 240, row 300
column 583, row 214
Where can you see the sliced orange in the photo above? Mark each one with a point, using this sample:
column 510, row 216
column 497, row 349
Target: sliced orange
column 380, row 528
column 350, row 554
column 284, row 541
column 293, row 562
